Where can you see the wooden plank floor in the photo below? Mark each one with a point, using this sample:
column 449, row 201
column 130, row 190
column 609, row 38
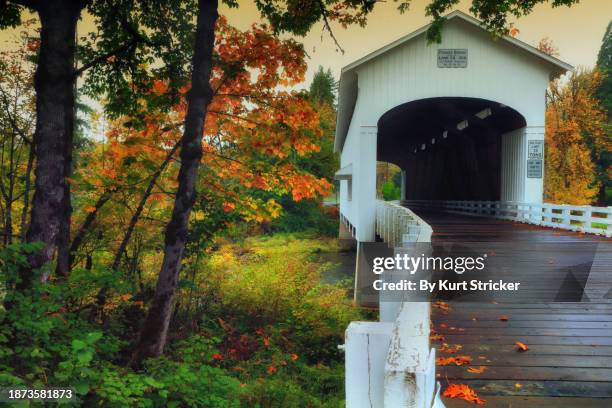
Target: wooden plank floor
column 569, row 361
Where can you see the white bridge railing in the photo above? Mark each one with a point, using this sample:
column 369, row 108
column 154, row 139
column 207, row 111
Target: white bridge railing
column 397, row 225
column 390, row 363
column 581, row 218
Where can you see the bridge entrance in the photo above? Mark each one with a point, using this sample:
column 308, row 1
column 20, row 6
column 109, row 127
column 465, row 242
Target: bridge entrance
column 451, row 148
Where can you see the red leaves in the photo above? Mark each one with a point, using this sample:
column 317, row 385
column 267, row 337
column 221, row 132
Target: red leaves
column 462, row 391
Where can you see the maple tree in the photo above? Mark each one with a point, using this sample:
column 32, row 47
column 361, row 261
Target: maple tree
column 576, row 138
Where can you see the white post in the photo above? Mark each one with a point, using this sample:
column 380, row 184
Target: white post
column 364, row 184
column 366, row 346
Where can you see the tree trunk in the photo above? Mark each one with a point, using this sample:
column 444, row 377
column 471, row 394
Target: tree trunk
column 55, row 99
column 155, row 328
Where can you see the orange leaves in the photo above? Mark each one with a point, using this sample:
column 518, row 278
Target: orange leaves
column 159, row 87
column 456, row 360
column 521, row 346
column 476, row 370
column 575, row 134
column 436, row 337
column 90, row 208
column 503, row 318
column 445, row 348
column 462, row 391
column 442, row 306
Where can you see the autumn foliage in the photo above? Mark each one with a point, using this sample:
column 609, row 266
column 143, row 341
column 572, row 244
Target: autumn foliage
column 576, row 137
column 255, row 132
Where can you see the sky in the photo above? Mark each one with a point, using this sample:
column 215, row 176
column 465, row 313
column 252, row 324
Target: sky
column 576, row 31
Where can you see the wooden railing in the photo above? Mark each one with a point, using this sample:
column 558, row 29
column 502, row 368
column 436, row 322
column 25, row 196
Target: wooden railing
column 588, row 219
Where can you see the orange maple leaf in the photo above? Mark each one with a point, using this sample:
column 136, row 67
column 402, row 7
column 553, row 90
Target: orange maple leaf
column 463, row 392
column 457, row 360
column 503, row 318
column 476, row 370
column 521, row 346
column 436, row 337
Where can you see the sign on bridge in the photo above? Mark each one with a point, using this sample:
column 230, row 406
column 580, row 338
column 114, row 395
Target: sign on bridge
column 535, row 156
column 453, row 58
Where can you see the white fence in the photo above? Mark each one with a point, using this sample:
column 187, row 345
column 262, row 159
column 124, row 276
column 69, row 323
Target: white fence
column 588, row 219
column 390, row 363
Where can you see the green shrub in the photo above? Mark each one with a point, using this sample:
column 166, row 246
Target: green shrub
column 390, row 191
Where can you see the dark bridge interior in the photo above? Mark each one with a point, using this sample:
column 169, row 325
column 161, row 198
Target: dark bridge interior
column 449, row 147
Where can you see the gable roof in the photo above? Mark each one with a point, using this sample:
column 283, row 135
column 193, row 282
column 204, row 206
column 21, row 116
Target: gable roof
column 348, row 79
column 563, row 66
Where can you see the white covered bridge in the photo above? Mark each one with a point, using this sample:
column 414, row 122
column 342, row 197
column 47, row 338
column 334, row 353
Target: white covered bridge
column 464, row 120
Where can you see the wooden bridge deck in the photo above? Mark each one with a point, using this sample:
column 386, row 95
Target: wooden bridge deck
column 569, row 361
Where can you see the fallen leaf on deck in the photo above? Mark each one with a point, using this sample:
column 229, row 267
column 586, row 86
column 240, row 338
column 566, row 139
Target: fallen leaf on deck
column 463, row 392
column 521, row 346
column 446, row 348
column 476, row 370
column 518, row 386
column 433, row 336
column 503, row 318
column 442, row 305
column 456, row 360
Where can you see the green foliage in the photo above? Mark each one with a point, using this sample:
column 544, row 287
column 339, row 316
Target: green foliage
column 306, row 215
column 278, row 326
column 604, row 95
column 265, row 335
column 10, row 14
column 390, row 191
column 604, row 64
column 494, row 14
column 323, row 87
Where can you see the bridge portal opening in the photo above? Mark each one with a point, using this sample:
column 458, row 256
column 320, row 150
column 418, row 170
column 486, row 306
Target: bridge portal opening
column 451, row 148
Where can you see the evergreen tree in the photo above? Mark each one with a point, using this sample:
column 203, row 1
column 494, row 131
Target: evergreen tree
column 604, row 64
column 604, row 94
column 323, row 87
